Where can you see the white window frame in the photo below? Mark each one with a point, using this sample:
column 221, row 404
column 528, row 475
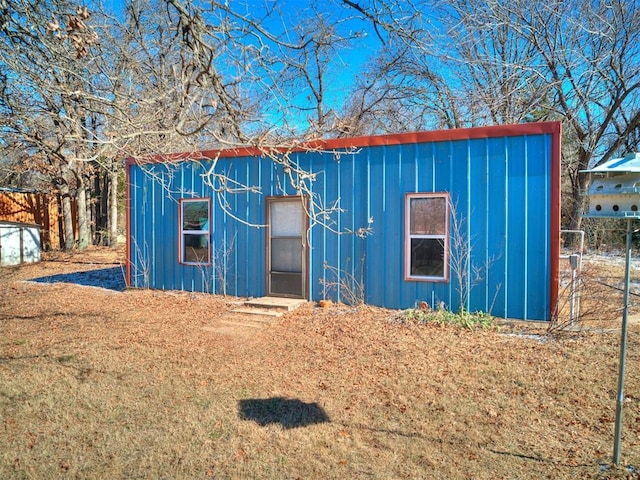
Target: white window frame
column 408, row 236
column 202, row 232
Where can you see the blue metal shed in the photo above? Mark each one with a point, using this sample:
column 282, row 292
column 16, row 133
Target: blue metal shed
column 468, row 217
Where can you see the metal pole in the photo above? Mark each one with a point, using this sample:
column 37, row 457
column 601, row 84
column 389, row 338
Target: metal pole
column 623, row 349
column 573, row 261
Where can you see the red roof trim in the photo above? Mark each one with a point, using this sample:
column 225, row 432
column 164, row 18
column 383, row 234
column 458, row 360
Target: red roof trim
column 370, row 141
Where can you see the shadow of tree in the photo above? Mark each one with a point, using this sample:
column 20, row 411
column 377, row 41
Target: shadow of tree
column 290, row 413
column 109, row 278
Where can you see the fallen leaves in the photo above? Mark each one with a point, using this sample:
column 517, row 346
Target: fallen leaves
column 141, row 371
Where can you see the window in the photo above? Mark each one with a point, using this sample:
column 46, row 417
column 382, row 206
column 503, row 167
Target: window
column 427, row 236
column 195, row 231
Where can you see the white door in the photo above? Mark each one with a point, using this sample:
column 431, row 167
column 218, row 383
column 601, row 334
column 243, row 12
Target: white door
column 286, row 248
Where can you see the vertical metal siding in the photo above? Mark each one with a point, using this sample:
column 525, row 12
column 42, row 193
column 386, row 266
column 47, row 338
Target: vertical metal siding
column 497, row 201
column 515, row 220
column 317, row 236
column 459, row 183
column 478, row 224
column 408, row 178
column 425, row 181
column 393, row 231
column 443, row 166
column 238, row 206
column 538, row 190
column 501, row 187
column 330, row 192
column 257, row 252
column 376, row 252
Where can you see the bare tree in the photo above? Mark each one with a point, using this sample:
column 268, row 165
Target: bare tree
column 447, row 65
column 81, row 89
column 311, row 60
column 84, row 89
column 276, row 64
column 43, row 50
column 590, row 58
column 479, row 62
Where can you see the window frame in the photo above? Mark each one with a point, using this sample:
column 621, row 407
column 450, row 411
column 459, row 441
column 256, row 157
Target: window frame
column 408, row 236
column 182, row 231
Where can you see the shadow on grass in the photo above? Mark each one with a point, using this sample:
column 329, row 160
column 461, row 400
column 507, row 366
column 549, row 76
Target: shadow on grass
column 290, row 413
column 539, row 459
column 109, row 278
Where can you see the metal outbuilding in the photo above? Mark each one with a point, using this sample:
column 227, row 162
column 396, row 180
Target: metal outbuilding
column 19, row 243
column 386, row 217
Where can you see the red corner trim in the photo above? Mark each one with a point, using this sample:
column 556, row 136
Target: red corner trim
column 556, row 144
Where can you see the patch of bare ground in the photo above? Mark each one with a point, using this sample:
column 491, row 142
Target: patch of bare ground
column 97, row 383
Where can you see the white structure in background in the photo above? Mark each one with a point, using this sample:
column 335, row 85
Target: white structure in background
column 614, row 192
column 19, row 243
column 615, row 188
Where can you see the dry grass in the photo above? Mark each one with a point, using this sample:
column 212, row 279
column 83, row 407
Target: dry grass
column 143, row 384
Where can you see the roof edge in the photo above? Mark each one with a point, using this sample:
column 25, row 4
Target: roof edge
column 471, row 133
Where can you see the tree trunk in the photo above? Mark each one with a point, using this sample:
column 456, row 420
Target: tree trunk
column 90, row 220
column 96, row 208
column 67, row 216
column 113, row 205
column 578, row 201
column 104, row 208
column 84, row 236
column 579, row 204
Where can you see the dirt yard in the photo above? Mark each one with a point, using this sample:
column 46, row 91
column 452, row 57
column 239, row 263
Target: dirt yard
column 112, row 383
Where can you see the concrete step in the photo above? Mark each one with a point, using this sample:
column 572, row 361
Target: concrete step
column 275, row 303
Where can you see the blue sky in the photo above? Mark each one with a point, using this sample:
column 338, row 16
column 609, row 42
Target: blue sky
column 349, row 61
column 345, row 66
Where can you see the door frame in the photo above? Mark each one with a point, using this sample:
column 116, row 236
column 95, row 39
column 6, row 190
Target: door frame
column 305, row 245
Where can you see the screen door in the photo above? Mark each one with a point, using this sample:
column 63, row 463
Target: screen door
column 286, row 254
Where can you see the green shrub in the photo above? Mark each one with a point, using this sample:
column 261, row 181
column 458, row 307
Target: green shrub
column 442, row 316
